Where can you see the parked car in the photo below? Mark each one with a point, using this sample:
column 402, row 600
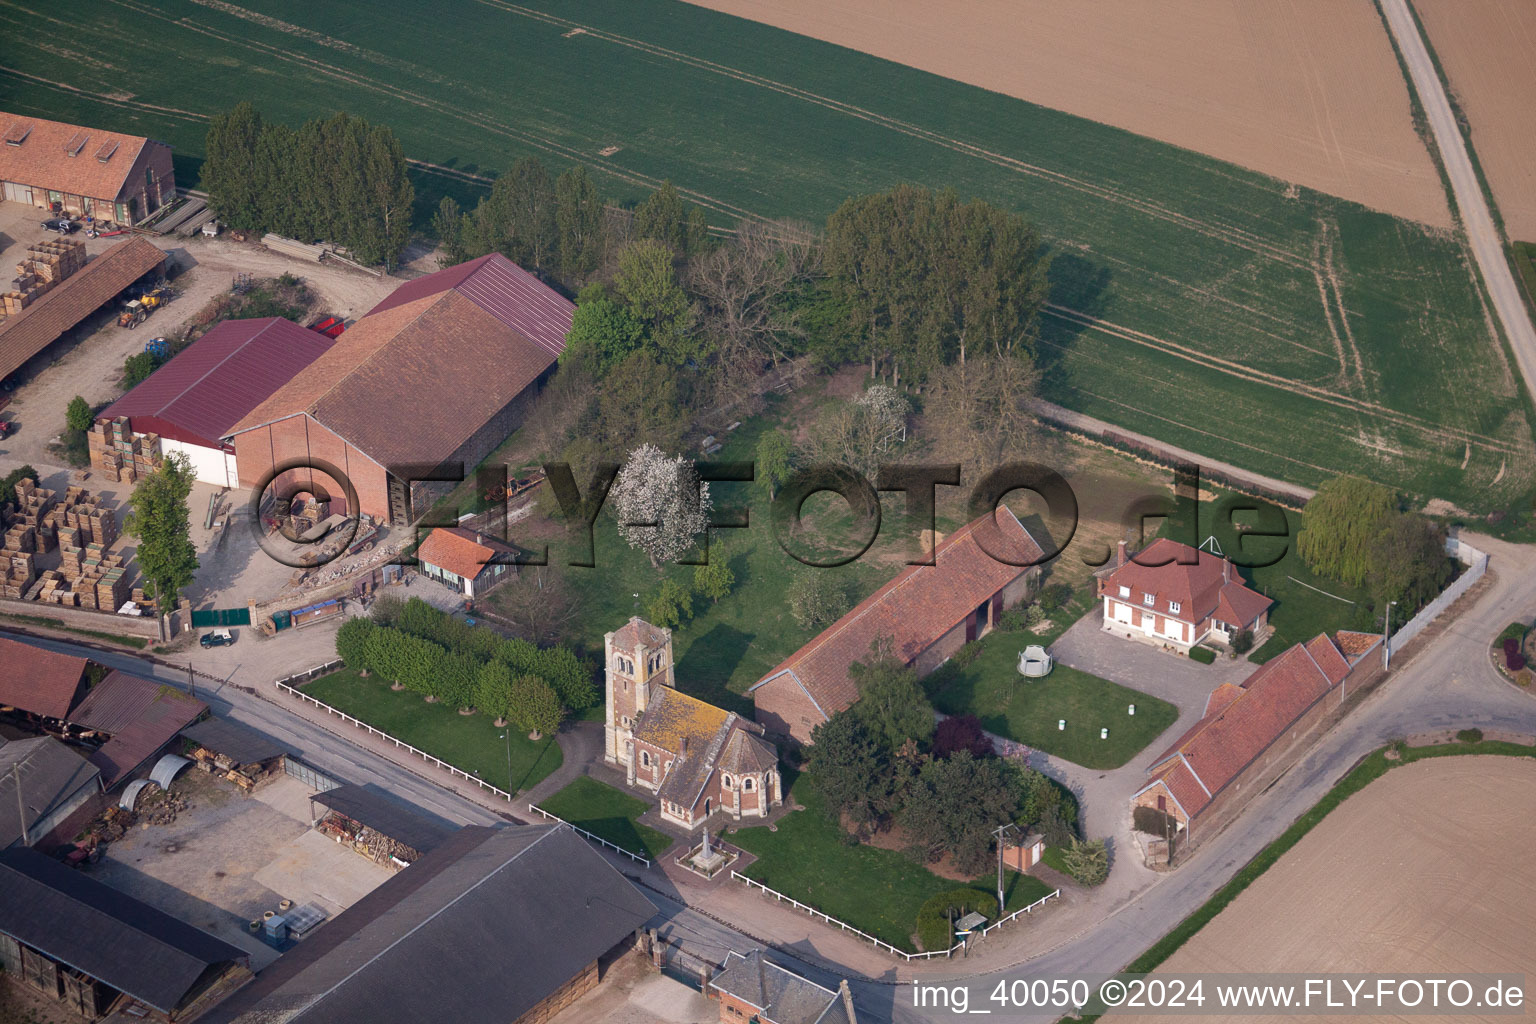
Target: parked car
column 218, row 638
column 63, row 225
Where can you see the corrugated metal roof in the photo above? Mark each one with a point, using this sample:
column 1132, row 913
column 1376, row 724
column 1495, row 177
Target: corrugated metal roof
column 42, row 682
column 27, row 333
column 203, row 392
column 50, row 773
column 107, row 934
column 504, row 290
column 384, row 814
column 138, row 715
column 245, row 746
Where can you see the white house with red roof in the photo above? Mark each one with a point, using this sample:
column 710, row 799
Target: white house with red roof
column 1176, row 596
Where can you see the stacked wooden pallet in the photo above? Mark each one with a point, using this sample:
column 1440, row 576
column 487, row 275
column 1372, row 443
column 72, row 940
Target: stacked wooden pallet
column 20, row 570
column 43, row 266
column 119, row 453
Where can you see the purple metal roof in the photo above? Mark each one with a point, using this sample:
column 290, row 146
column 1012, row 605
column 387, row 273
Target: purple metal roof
column 504, row 290
column 210, row 386
column 138, row 715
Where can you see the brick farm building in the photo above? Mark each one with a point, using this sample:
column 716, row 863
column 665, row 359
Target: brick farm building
column 89, row 172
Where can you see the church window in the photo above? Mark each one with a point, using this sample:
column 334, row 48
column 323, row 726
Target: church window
column 746, row 784
column 645, row 758
column 727, row 781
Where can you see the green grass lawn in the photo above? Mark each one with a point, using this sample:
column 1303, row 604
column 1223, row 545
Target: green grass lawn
column 1305, row 604
column 877, row 891
column 608, row 813
column 1027, row 710
column 469, row 742
column 1268, row 329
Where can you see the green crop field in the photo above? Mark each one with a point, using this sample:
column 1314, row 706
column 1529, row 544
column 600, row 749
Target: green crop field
column 1286, row 331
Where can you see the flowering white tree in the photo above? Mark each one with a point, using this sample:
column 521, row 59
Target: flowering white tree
column 660, row 503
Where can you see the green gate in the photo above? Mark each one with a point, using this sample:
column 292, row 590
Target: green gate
column 221, row 617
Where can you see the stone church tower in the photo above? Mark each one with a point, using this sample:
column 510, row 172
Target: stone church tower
column 637, row 658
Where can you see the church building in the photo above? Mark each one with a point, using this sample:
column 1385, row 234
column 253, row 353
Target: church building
column 698, row 759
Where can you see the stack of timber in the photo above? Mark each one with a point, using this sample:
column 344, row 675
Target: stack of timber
column 42, row 267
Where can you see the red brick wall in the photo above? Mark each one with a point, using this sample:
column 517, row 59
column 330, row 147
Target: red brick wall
column 155, row 157
column 733, row 1010
column 784, row 709
column 300, row 437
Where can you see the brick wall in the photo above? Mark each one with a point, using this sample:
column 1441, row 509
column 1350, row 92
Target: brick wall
column 258, row 450
column 83, row 618
column 784, row 710
column 148, row 196
column 562, row 997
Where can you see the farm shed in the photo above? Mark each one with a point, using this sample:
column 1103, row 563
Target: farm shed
column 928, row 611
column 435, row 376
column 79, row 941
column 546, row 911
column 89, row 172
column 29, row 332
column 138, row 716
column 54, row 782
column 463, row 559
column 192, row 401
column 233, row 747
column 388, row 830
column 39, row 682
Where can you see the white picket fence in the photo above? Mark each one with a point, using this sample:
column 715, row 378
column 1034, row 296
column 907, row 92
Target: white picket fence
column 536, row 809
column 878, row 943
column 1476, row 563
column 359, row 723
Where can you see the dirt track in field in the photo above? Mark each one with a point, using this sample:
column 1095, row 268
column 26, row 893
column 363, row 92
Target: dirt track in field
column 1485, row 49
column 1305, row 90
column 1425, row 870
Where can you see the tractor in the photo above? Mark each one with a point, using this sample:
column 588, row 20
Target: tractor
column 136, row 311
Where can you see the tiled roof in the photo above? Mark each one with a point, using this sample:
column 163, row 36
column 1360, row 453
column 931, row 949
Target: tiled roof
column 411, row 381
column 27, row 333
column 42, row 160
column 670, row 716
column 462, row 552
column 39, row 681
column 1355, row 645
column 1238, row 728
column 208, row 387
column 637, row 632
column 915, row 609
column 1200, row 583
column 777, row 993
column 139, row 715
column 747, row 753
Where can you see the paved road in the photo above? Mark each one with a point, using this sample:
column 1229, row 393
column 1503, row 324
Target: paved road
column 1475, row 218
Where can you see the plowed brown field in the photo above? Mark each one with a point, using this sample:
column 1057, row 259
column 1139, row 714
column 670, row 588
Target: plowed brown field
column 1485, row 48
column 1305, row 90
column 1426, row 869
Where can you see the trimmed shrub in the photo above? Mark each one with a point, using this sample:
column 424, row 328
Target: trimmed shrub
column 1204, row 655
column 1242, row 642
column 1054, row 597
column 1470, row 736
column 1014, row 620
column 934, row 915
column 961, row 732
column 967, row 654
column 1513, row 659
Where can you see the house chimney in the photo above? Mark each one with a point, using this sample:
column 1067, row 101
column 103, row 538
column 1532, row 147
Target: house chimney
column 684, row 752
column 1120, row 556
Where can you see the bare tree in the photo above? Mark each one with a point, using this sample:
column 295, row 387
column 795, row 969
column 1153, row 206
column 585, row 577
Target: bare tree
column 978, row 410
column 741, row 287
column 539, row 603
column 860, row 433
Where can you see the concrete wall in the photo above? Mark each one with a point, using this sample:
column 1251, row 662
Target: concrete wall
column 84, row 618
column 212, row 465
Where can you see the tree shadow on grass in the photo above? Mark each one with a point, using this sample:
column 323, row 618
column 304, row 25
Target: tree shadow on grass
column 1081, row 285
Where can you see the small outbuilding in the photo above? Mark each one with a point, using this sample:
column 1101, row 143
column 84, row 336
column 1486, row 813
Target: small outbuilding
column 465, row 560
column 378, row 825
column 42, row 783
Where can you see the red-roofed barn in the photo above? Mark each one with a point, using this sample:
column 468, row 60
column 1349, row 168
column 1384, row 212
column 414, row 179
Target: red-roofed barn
column 437, row 374
column 193, row 401
column 929, row 612
column 1170, row 594
column 1252, row 732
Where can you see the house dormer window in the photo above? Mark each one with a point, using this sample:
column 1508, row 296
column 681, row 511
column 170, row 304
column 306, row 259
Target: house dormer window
column 1150, row 600
column 1125, row 591
column 1174, row 606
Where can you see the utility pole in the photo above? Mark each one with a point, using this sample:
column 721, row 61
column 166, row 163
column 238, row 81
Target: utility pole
column 1000, row 831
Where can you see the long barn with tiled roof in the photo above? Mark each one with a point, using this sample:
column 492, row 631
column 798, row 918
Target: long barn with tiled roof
column 698, row 759
column 1249, row 729
column 928, row 613
column 433, row 377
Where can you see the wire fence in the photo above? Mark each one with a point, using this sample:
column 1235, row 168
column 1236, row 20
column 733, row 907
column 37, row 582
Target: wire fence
column 401, row 744
column 536, row 809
